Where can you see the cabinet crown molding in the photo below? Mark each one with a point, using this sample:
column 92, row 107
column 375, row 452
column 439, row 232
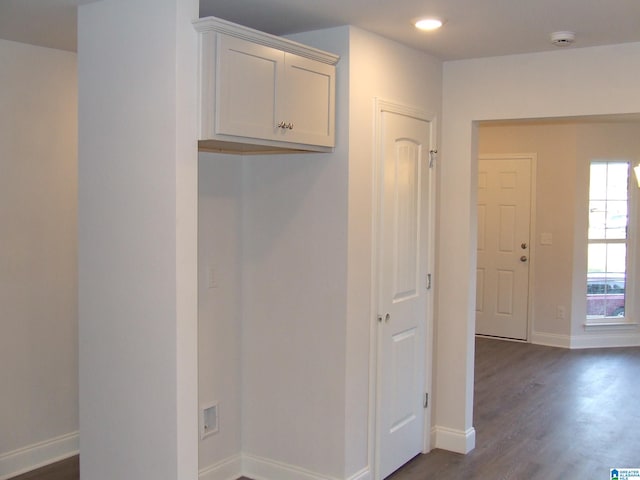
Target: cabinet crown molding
column 213, row 24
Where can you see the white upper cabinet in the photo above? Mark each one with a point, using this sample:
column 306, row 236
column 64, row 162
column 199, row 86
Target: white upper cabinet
column 261, row 93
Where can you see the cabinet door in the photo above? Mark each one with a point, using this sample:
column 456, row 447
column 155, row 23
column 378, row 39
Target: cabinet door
column 309, row 101
column 249, row 79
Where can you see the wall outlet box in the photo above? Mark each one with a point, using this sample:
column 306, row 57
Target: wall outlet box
column 209, row 420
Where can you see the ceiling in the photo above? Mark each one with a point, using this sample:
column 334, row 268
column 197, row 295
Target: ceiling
column 473, row 28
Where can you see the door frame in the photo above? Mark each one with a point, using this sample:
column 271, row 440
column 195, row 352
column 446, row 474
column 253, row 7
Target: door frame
column 381, row 106
column 533, row 165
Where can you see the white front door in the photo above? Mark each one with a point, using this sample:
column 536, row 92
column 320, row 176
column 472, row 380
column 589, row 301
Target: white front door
column 504, row 216
column 402, row 290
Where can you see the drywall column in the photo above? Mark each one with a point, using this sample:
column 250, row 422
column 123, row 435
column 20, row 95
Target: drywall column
column 137, row 234
column 455, row 327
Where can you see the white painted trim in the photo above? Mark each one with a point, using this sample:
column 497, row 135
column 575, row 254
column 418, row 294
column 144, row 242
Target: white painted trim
column 605, row 341
column 433, row 435
column 551, row 339
column 213, row 24
column 611, row 327
column 227, row 469
column 598, row 339
column 38, row 455
column 372, row 437
column 458, row 441
column 431, row 239
column 364, row 474
column 259, row 468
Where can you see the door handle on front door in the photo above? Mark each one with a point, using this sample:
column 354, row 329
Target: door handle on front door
column 523, row 258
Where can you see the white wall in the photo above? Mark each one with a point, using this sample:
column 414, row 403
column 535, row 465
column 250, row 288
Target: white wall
column 587, row 81
column 220, row 306
column 38, row 270
column 307, row 274
column 294, row 284
column 137, row 239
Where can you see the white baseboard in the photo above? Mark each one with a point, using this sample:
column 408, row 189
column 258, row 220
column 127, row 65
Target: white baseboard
column 601, row 338
column 259, row 468
column 605, row 341
column 458, row 441
column 227, row 469
column 551, row 339
column 434, row 435
column 364, row 474
column 38, row 455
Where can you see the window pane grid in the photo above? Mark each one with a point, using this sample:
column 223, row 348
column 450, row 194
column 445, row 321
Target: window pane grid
column 607, row 239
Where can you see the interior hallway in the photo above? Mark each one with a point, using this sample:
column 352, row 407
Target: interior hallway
column 545, row 413
column 540, row 413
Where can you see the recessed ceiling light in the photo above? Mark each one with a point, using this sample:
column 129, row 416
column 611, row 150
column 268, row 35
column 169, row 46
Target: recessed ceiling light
column 428, row 24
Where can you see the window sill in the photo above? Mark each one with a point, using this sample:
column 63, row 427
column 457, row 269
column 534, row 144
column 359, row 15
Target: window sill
column 616, row 326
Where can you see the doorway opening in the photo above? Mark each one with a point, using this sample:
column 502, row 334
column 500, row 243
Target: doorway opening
column 563, row 150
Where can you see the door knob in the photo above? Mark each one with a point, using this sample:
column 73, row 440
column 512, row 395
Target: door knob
column 523, row 246
column 387, row 317
column 523, row 258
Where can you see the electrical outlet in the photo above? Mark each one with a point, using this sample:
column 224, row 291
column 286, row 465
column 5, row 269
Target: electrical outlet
column 560, row 312
column 209, row 420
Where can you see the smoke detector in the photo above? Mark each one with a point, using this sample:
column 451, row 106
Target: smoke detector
column 563, row 39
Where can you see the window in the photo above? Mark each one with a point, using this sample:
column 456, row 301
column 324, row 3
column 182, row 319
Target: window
column 607, row 241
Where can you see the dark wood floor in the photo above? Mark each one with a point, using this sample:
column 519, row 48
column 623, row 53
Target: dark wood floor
column 545, row 413
column 540, row 413
column 68, row 469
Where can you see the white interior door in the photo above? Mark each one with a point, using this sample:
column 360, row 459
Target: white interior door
column 504, row 218
column 402, row 294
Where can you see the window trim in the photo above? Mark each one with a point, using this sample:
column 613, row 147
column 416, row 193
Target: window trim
column 632, row 270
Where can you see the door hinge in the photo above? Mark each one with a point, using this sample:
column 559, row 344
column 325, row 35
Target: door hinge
column 426, row 400
column 433, row 156
column 428, row 281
